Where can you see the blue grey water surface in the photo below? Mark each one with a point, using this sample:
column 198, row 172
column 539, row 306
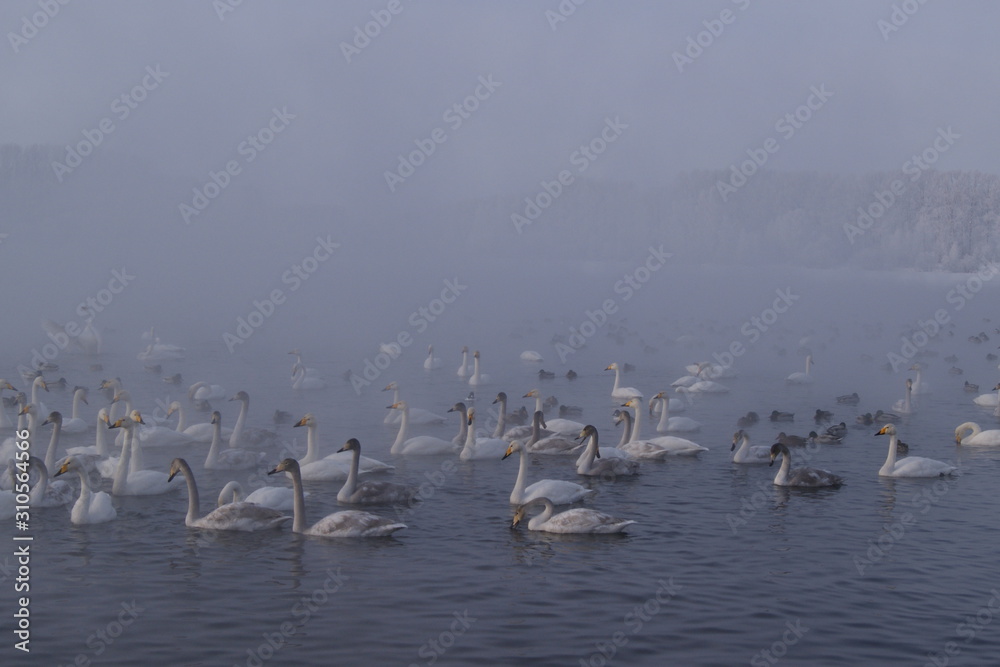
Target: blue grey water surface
column 721, row 567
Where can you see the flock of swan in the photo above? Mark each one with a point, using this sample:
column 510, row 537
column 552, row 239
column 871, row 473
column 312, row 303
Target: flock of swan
column 119, row 458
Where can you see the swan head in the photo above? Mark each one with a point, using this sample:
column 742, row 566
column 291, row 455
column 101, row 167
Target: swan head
column 997, row 388
column 739, row 435
column 398, row 405
column 776, row 449
column 173, row 407
column 518, row 516
column 430, row 349
column 121, row 395
column 909, row 383
column 175, row 467
column 136, row 417
column 351, row 445
column 392, row 386
column 514, row 446
column 465, row 349
column 83, row 394
column 539, row 417
column 472, row 415
column 612, row 366
column 53, row 418
column 28, row 409
column 40, row 382
column 102, row 416
column 286, row 465
column 307, row 420
column 7, row 385
column 588, row 430
column 888, row 429
column 295, row 352
column 631, row 403
column 475, row 355
column 618, row 416
column 458, row 407
column 241, row 396
column 531, row 394
column 69, row 464
column 216, row 417
column 501, row 398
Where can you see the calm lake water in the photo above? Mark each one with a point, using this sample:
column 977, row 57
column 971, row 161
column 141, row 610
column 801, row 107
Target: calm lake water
column 721, row 568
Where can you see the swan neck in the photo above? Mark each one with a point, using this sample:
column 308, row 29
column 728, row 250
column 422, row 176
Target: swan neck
column 664, row 415
column 546, row 514
column 890, row 459
column 517, row 495
column 636, row 425
column 501, row 420
column 194, row 500
column 538, row 403
column 588, row 456
column 463, row 428
column 470, row 435
column 213, row 449
column 77, row 395
column 122, row 471
column 101, row 439
column 181, row 418
column 401, row 436
column 50, row 453
column 299, row 503
column 136, row 446
column 352, row 477
column 237, row 433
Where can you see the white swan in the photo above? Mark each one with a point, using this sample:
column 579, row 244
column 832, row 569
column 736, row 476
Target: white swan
column 478, row 377
column 90, row 506
column 334, row 466
column 370, row 492
column 418, row 416
column 347, row 523
column 302, row 381
column 747, row 453
column 902, row 406
column 800, row 377
column 991, row 400
column 421, row 444
column 704, row 387
column 531, row 356
column 911, row 466
column 201, row 432
column 158, row 351
column 228, row 459
column 36, row 384
column 480, row 448
column 977, row 436
column 310, row 372
column 234, row 516
column 431, row 362
column 618, row 392
column 76, row 424
column 559, row 491
column 129, row 482
column 203, row 391
column 594, row 466
column 463, row 370
column 248, row 436
column 558, row 425
column 803, row 477
column 576, row 520
column 5, row 422
column 920, row 386
column 669, row 424
column 45, row 493
column 658, row 447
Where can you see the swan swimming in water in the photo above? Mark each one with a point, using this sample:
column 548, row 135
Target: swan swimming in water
column 463, row 370
column 618, row 392
column 346, row 523
column 559, row 491
column 275, row 497
column 90, row 506
column 203, row 391
column 668, row 424
column 747, row 453
column 333, row 467
column 800, row 377
column 370, row 492
column 301, row 380
column 658, row 447
column 248, row 436
column 195, row 432
column 421, row 444
column 45, row 493
column 991, row 400
column 480, row 448
column 593, row 466
column 233, row 516
column 431, row 362
column 576, row 520
column 531, row 356
column 418, row 416
column 76, row 424
column 976, row 435
column 920, row 386
column 228, row 459
column 478, row 377
column 802, row 477
column 903, row 405
column 560, row 426
column 129, row 482
column 911, row 466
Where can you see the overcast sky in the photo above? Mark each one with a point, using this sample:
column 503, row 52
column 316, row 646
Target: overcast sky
column 307, row 113
column 558, row 82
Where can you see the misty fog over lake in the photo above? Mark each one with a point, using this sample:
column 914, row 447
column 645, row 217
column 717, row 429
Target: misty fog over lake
column 318, row 210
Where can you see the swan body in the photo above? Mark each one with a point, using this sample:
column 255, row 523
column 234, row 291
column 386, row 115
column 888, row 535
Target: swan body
column 618, row 392
column 195, row 432
column 559, row 491
column 370, row 492
column 668, row 424
column 747, row 453
column 557, row 426
column 228, row 459
column 800, row 377
column 531, row 356
column 911, row 466
column 421, row 445
column 303, row 381
column 203, row 391
column 90, row 507
column 275, row 497
column 800, row 477
column 481, row 448
column 576, row 520
column 347, row 523
column 241, row 516
column 592, row 465
column 991, row 400
column 977, row 436
column 658, row 447
column 157, row 351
